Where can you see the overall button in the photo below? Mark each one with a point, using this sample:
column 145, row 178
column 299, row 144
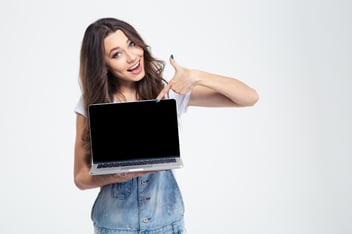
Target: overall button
column 145, row 220
column 145, row 199
column 144, row 181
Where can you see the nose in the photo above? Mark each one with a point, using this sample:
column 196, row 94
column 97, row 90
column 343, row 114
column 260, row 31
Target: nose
column 131, row 57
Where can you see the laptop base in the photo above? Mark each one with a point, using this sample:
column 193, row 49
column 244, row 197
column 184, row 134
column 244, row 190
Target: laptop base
column 152, row 167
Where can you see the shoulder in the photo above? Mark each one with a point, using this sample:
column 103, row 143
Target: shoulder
column 79, row 108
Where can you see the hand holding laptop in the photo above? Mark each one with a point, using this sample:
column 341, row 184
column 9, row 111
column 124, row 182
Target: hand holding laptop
column 130, row 175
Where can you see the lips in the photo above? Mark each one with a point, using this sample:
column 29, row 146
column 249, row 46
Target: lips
column 136, row 66
column 136, row 69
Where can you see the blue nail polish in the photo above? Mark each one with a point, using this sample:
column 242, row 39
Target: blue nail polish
column 172, row 56
column 157, row 100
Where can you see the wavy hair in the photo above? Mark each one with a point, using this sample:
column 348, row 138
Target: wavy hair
column 98, row 85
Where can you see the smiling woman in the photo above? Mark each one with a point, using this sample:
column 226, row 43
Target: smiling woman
column 117, row 66
column 124, row 58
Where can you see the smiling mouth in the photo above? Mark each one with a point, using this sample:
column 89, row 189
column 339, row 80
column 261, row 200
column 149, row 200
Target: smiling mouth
column 134, row 67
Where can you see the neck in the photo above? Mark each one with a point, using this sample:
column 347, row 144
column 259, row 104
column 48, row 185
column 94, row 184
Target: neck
column 127, row 92
column 126, row 95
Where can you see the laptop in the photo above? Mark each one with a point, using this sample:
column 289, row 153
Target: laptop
column 134, row 136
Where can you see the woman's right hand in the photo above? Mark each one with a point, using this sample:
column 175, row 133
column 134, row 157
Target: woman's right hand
column 122, row 177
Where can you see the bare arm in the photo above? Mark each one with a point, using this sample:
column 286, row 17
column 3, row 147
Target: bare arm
column 213, row 90
column 82, row 178
column 210, row 90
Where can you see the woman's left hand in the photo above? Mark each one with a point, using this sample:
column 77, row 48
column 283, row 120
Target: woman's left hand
column 182, row 81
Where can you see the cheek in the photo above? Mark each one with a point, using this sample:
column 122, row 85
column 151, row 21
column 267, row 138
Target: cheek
column 116, row 68
column 142, row 51
column 139, row 51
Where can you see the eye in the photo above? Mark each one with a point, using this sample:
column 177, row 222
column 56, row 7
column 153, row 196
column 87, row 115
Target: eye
column 132, row 44
column 116, row 55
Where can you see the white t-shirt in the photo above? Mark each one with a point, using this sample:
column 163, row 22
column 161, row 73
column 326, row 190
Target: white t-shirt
column 181, row 102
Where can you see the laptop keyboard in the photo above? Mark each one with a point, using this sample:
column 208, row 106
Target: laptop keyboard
column 135, row 163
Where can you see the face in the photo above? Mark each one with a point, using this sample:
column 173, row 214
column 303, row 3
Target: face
column 123, row 58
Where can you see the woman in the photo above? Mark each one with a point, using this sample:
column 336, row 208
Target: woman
column 116, row 65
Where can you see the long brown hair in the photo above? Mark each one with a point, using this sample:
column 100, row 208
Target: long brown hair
column 98, row 85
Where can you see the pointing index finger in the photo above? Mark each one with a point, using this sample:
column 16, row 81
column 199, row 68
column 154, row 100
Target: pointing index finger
column 163, row 92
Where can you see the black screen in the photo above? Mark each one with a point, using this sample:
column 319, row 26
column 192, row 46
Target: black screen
column 134, row 130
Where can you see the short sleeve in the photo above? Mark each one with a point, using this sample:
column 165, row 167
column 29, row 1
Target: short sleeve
column 181, row 101
column 79, row 108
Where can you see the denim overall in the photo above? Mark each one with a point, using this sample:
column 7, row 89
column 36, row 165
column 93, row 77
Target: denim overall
column 148, row 204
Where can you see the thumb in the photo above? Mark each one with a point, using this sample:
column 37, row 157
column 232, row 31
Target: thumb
column 173, row 62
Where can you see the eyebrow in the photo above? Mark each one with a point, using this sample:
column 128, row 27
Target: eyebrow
column 113, row 49
column 118, row 47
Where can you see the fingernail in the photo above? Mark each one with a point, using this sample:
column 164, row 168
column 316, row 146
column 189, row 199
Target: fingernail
column 172, row 56
column 157, row 100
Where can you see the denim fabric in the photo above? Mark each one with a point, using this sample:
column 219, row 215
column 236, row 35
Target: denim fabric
column 148, row 204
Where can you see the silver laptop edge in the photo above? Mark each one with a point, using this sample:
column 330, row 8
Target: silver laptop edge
column 94, row 170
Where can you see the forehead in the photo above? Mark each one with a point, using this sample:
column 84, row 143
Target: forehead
column 115, row 39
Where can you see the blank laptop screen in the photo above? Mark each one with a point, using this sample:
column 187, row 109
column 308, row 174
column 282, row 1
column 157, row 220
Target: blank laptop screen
column 133, row 130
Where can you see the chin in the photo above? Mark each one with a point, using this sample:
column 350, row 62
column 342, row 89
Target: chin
column 140, row 76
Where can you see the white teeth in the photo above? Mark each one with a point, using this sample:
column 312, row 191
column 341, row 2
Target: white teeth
column 134, row 67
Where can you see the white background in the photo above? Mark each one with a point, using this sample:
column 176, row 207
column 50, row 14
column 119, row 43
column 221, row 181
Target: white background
column 282, row 166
